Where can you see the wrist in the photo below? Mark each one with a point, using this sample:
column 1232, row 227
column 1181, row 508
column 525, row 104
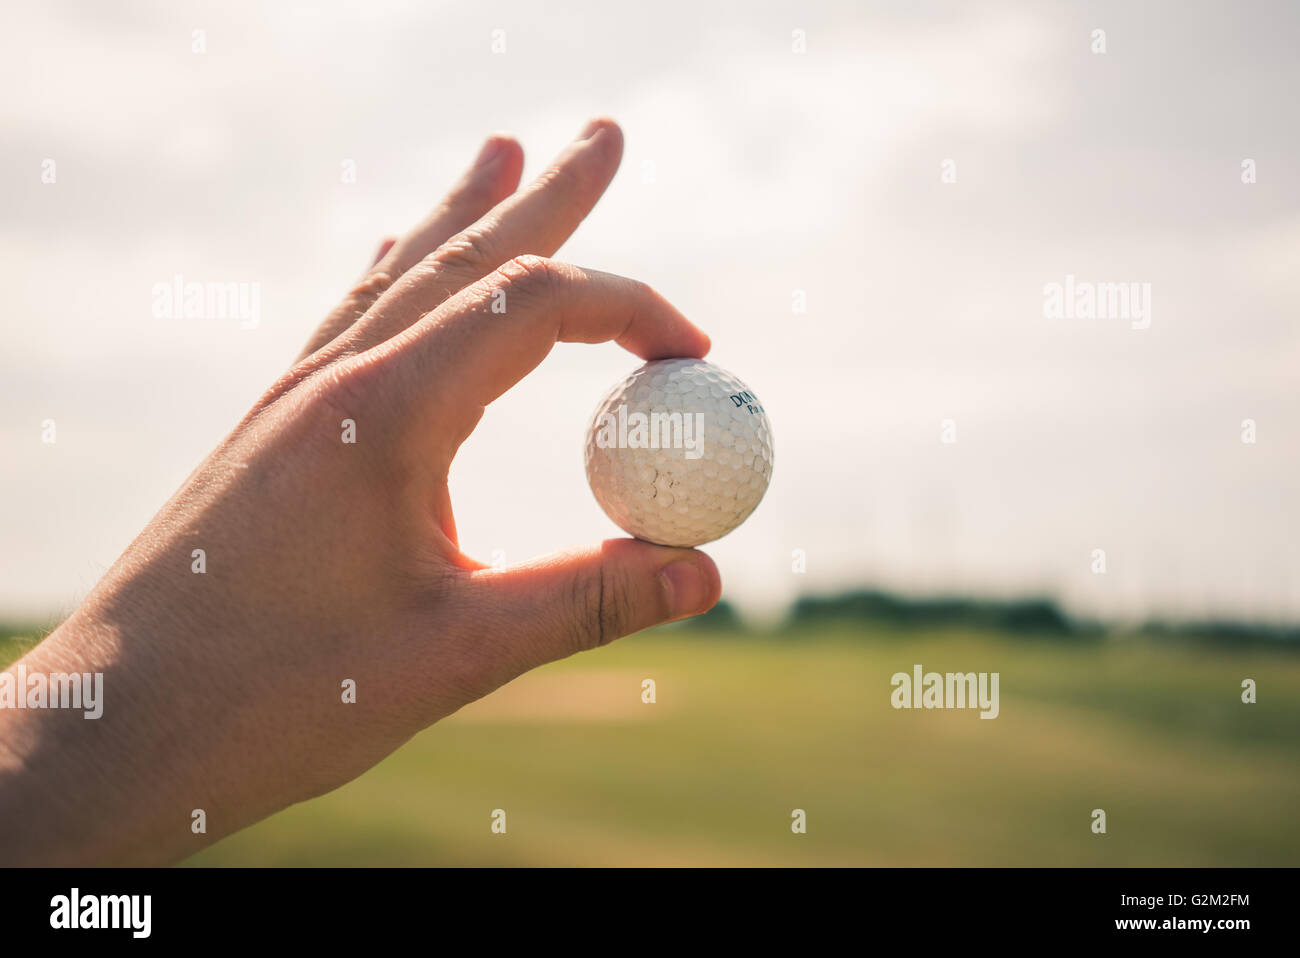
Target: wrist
column 80, row 781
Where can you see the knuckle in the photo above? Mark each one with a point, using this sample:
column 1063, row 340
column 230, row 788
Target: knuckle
column 345, row 388
column 640, row 292
column 532, row 276
column 468, row 252
column 603, row 609
column 374, row 285
column 327, row 380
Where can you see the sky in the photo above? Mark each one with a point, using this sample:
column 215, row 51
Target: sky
column 862, row 203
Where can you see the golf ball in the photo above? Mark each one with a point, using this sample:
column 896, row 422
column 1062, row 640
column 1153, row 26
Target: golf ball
column 679, row 452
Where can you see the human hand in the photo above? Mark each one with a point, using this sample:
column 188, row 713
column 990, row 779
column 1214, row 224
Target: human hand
column 329, row 560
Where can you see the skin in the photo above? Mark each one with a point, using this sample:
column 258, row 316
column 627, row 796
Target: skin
column 329, row 561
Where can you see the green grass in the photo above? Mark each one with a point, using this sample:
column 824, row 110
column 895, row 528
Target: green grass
column 749, row 728
column 17, row 640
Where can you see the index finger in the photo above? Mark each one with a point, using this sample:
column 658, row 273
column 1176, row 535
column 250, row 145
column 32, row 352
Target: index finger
column 483, row 340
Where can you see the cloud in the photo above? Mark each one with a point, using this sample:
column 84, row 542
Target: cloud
column 750, row 172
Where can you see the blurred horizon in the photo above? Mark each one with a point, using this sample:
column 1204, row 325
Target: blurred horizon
column 1038, row 616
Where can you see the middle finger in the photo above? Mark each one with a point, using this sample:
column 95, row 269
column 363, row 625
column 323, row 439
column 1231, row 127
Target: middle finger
column 535, row 220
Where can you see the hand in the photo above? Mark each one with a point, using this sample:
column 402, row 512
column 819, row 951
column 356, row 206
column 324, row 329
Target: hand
column 328, row 561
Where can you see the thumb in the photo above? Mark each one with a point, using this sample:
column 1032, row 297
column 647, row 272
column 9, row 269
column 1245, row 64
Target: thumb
column 589, row 596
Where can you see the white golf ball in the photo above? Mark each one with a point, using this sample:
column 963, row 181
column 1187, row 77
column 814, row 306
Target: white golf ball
column 679, row 453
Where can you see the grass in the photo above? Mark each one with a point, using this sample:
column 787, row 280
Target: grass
column 746, row 729
column 17, row 640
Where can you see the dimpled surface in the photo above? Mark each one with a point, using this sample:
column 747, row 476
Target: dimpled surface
column 671, row 496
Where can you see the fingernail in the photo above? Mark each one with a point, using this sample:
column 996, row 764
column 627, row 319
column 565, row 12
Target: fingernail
column 591, row 128
column 687, row 586
column 492, row 151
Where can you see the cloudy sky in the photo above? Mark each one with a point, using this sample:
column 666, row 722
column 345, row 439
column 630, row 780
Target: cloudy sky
column 752, row 171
